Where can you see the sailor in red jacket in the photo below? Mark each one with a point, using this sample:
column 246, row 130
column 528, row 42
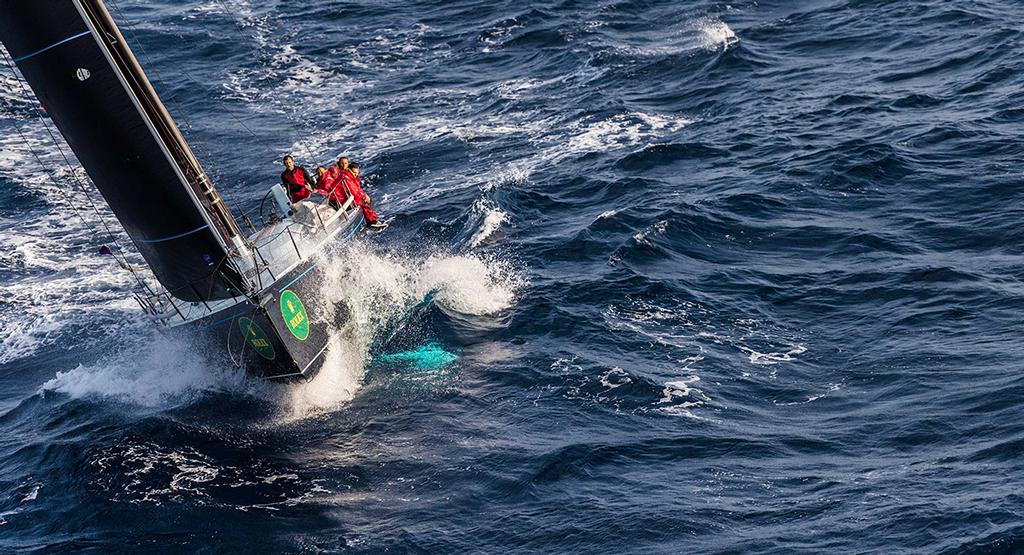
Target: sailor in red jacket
column 329, row 183
column 296, row 179
column 342, row 163
column 351, row 178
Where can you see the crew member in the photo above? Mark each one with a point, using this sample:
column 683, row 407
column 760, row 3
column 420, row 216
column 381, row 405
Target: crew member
column 296, row 180
column 330, row 183
column 351, row 178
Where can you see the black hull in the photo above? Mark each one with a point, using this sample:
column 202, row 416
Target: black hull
column 286, row 335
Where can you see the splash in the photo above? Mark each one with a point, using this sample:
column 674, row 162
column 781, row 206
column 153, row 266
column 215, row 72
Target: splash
column 160, row 372
column 469, row 284
column 376, row 290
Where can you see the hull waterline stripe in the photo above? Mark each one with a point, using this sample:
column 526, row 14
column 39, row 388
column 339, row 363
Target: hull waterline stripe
column 297, row 278
column 54, row 45
column 173, row 237
column 219, row 322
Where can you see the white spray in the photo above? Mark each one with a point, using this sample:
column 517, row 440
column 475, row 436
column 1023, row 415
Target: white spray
column 377, row 290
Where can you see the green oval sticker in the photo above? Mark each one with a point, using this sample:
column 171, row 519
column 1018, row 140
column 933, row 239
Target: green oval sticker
column 256, row 337
column 294, row 315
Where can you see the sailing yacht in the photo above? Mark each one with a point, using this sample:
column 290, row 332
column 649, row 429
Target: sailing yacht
column 255, row 294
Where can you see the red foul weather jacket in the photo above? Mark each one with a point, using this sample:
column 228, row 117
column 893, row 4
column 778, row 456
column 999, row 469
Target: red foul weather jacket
column 297, row 182
column 361, row 198
column 332, row 185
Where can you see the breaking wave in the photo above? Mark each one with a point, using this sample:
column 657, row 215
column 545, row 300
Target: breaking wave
column 715, row 34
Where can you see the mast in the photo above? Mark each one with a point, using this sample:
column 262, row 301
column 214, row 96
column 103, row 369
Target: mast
column 74, row 57
column 103, row 25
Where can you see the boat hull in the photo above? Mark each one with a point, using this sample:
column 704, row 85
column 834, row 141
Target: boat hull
column 285, row 335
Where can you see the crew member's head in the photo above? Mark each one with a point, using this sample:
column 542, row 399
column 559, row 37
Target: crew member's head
column 343, row 162
column 354, row 166
column 289, row 162
column 320, row 170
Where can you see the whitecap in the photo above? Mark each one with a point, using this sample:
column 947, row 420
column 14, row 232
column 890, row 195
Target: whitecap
column 514, row 89
column 658, row 228
column 715, row 34
column 620, row 131
column 492, row 220
column 773, row 358
column 614, row 378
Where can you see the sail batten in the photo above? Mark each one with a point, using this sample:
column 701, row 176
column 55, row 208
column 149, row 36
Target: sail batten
column 104, row 106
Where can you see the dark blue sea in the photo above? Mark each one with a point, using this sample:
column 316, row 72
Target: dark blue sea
column 660, row 277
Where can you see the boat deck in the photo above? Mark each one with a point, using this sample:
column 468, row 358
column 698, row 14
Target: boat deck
column 275, row 250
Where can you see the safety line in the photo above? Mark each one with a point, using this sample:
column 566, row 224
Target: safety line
column 54, row 45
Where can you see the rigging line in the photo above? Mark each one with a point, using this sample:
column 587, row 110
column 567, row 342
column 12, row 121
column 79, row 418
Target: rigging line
column 74, row 174
column 74, row 207
column 204, row 151
column 53, row 180
column 71, row 167
column 156, row 72
column 181, row 114
column 183, row 156
column 170, row 96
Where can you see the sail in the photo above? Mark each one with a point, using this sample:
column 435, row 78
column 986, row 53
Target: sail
column 89, row 83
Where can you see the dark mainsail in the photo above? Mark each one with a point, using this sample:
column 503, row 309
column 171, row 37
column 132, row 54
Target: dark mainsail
column 88, row 81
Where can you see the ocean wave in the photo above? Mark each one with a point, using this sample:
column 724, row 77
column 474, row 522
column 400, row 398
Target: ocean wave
column 715, row 34
column 58, row 242
column 678, row 254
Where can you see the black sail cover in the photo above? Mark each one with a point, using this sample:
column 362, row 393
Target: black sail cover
column 131, row 150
